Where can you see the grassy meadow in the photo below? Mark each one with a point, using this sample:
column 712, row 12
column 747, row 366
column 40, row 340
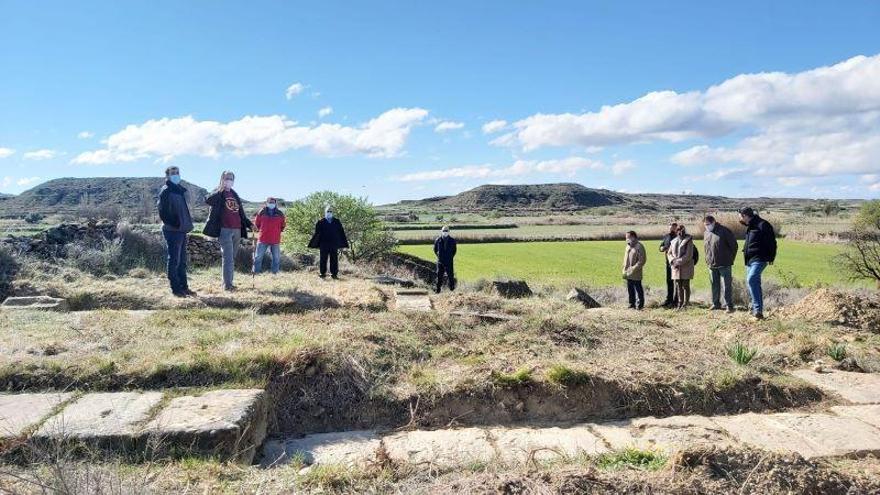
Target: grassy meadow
column 598, row 263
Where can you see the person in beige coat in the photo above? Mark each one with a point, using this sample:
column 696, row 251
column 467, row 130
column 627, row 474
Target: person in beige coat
column 681, row 260
column 633, row 262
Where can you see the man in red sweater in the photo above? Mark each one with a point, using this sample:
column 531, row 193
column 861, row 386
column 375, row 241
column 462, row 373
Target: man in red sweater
column 270, row 222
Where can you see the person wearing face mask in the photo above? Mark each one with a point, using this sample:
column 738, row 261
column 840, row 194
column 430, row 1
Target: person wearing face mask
column 634, row 259
column 681, row 259
column 270, row 222
column 329, row 238
column 228, row 223
column 759, row 250
column 176, row 224
column 720, row 247
column 671, row 300
column 445, row 248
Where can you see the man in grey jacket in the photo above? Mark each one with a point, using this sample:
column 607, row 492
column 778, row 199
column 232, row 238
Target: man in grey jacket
column 720, row 247
column 176, row 224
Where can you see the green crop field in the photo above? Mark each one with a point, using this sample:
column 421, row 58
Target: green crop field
column 598, row 263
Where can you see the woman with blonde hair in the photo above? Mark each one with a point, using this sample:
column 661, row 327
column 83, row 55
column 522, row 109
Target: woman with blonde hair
column 228, row 223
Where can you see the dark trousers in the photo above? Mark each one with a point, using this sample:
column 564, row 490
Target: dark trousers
column 445, row 268
column 175, row 243
column 671, row 296
column 333, row 256
column 634, row 289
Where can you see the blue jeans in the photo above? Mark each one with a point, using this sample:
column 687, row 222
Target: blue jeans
column 261, row 251
column 175, row 243
column 753, row 280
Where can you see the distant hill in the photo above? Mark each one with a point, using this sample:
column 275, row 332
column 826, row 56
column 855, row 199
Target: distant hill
column 130, row 197
column 572, row 197
column 563, row 196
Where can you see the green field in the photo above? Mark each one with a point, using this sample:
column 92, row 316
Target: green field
column 598, row 263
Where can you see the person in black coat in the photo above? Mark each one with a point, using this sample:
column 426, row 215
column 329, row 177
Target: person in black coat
column 445, row 249
column 759, row 250
column 329, row 237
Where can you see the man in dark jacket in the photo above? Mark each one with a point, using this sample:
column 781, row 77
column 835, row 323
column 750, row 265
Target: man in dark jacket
column 759, row 250
column 329, row 237
column 720, row 246
column 176, row 224
column 445, row 248
column 671, row 299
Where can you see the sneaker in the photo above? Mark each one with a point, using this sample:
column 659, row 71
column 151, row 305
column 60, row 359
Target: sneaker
column 323, row 275
column 758, row 316
column 334, row 277
column 231, row 288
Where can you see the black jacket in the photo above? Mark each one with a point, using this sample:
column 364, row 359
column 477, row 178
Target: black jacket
column 215, row 222
column 328, row 235
column 445, row 248
column 173, row 210
column 760, row 243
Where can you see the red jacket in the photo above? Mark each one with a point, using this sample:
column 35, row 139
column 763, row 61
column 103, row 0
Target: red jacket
column 270, row 226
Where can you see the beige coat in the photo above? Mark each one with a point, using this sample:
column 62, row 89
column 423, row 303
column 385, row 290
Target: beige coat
column 633, row 261
column 681, row 258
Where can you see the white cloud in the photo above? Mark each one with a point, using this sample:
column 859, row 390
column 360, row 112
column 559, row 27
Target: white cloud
column 622, row 167
column 40, row 155
column 294, row 89
column 26, row 181
column 6, row 152
column 325, row 112
column 822, row 121
column 85, row 135
column 566, row 166
column 494, row 126
column 166, row 138
column 448, row 125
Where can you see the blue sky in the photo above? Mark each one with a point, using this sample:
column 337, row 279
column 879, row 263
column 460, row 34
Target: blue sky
column 427, row 98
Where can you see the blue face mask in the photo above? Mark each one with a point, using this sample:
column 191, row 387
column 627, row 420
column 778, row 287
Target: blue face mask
column 175, row 179
column 271, row 206
column 328, row 216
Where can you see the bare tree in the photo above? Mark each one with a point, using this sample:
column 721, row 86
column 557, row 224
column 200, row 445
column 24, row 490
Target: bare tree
column 862, row 257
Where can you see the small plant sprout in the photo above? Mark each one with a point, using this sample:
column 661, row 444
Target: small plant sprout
column 837, row 351
column 740, row 353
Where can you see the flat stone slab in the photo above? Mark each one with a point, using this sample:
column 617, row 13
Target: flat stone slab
column 666, row 434
column 858, row 388
column 442, row 448
column 103, row 415
column 810, row 435
column 226, row 423
column 522, row 445
column 869, row 414
column 21, row 412
column 42, row 303
column 486, row 317
column 346, row 448
column 412, row 300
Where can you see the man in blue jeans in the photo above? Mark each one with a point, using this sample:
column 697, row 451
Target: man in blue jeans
column 759, row 250
column 176, row 224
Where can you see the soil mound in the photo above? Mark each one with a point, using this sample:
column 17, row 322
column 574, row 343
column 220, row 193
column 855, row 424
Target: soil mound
column 848, row 309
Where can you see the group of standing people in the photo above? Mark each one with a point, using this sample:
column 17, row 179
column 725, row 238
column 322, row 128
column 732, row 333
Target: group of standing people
column 720, row 247
column 228, row 222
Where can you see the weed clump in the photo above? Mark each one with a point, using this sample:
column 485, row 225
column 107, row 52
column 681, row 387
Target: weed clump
column 561, row 374
column 837, row 351
column 521, row 376
column 741, row 354
column 632, row 458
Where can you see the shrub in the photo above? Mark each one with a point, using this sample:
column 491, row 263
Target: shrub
column 33, row 218
column 8, row 269
column 131, row 248
column 741, row 354
column 368, row 237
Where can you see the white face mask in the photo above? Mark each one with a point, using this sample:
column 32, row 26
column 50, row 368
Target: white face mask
column 710, row 227
column 445, row 233
column 228, row 183
column 631, row 241
column 271, row 206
